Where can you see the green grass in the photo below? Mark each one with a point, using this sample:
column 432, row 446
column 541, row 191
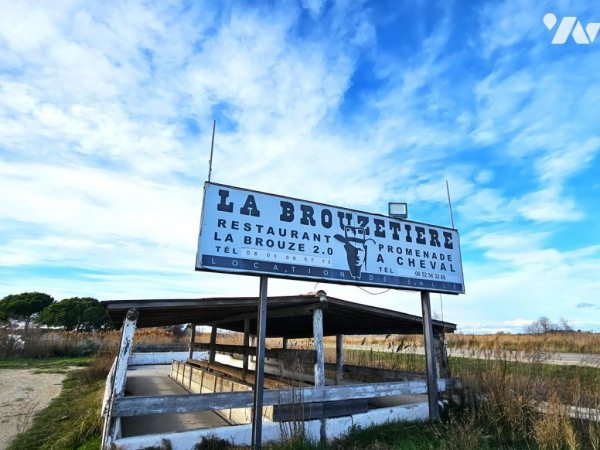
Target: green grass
column 587, row 378
column 51, row 370
column 71, row 421
column 45, row 364
column 455, row 432
column 397, row 361
column 399, row 435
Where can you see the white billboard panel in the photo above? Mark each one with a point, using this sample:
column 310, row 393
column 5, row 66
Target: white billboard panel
column 251, row 232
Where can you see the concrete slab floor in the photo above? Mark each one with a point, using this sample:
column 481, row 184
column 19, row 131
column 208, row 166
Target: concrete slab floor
column 154, row 381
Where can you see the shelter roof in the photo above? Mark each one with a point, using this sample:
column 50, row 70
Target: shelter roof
column 287, row 316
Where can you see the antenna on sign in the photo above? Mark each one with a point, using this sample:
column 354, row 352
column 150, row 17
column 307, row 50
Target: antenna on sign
column 212, row 146
column 450, row 204
column 451, row 221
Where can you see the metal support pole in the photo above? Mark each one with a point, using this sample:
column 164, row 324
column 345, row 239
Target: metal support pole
column 246, row 343
column 261, row 326
column 339, row 358
column 213, row 344
column 432, row 390
column 192, row 342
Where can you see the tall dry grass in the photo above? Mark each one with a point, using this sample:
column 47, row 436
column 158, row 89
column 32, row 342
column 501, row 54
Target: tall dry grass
column 39, row 343
column 568, row 342
column 531, row 402
column 506, row 401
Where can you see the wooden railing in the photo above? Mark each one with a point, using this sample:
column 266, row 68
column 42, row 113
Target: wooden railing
column 166, row 404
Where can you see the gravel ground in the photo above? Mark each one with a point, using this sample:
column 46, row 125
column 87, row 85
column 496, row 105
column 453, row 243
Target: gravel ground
column 22, row 394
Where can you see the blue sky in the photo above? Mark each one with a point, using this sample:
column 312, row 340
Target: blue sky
column 106, row 113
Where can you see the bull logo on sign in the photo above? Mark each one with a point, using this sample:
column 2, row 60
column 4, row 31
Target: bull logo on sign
column 355, row 244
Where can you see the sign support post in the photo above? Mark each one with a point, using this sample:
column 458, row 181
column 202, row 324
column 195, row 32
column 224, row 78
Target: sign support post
column 432, row 389
column 261, row 325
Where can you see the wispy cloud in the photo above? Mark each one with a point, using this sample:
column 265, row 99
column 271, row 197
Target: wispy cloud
column 106, row 115
column 586, row 305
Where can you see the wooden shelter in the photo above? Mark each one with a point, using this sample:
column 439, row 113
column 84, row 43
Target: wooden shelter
column 287, row 316
column 312, row 315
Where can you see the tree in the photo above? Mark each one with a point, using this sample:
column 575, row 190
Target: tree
column 544, row 325
column 76, row 313
column 24, row 306
column 541, row 326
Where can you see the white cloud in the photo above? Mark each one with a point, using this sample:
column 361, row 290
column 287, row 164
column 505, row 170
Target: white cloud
column 106, row 111
column 510, row 23
column 548, row 205
column 101, row 210
column 484, row 177
column 313, row 6
column 568, row 161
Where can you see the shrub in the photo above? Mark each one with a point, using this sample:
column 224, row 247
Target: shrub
column 553, row 429
column 10, row 345
column 97, row 370
column 212, row 442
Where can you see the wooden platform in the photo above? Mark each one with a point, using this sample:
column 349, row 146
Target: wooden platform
column 152, row 381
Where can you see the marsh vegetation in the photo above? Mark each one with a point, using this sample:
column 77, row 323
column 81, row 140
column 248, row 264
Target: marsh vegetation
column 504, row 403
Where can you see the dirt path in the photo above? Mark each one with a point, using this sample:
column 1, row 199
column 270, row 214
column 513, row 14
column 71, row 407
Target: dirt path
column 22, row 394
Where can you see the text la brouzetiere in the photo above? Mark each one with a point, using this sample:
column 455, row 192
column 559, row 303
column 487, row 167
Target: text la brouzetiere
column 271, row 242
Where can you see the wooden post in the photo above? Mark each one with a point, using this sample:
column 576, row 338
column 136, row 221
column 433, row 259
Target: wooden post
column 213, row 341
column 320, row 353
column 261, row 327
column 192, row 342
column 246, row 343
column 285, row 344
column 339, row 358
column 111, row 428
column 253, row 344
column 432, row 389
column 441, row 356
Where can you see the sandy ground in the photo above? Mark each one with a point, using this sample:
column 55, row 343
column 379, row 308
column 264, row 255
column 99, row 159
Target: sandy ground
column 22, row 394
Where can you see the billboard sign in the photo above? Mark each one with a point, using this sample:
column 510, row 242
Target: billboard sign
column 249, row 232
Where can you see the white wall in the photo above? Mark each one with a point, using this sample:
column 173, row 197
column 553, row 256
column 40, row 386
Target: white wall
column 156, row 358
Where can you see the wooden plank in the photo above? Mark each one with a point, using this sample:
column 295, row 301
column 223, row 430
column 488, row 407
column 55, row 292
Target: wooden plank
column 376, row 375
column 320, row 410
column 108, row 388
column 304, row 356
column 111, row 428
column 290, row 311
column 238, row 375
column 246, row 343
column 124, row 352
column 133, row 406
